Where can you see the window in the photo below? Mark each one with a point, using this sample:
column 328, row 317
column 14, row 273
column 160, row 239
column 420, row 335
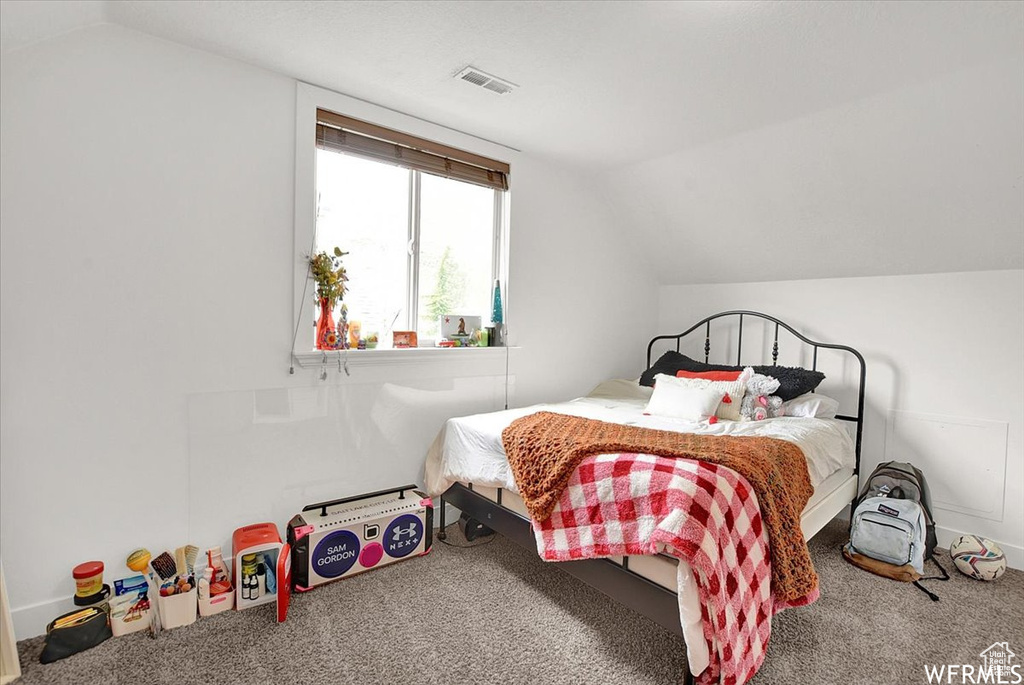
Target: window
column 422, row 224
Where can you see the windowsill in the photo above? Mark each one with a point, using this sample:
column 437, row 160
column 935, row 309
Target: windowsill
column 392, row 356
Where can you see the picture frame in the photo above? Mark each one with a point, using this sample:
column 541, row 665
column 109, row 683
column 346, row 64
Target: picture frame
column 459, row 325
column 402, row 339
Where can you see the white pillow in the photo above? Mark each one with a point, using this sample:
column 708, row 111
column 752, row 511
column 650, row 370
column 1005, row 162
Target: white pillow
column 734, row 389
column 811, row 405
column 679, row 401
column 619, row 389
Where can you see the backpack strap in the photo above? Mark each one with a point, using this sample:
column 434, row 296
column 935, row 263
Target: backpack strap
column 945, row 576
column 922, row 588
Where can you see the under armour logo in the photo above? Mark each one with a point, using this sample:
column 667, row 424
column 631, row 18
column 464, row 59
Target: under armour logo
column 399, row 532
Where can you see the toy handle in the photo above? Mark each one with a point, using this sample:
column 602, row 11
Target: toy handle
column 322, row 506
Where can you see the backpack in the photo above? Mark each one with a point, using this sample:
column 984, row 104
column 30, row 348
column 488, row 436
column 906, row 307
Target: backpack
column 901, row 480
column 892, row 531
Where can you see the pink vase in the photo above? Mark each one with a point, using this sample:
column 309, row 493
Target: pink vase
column 326, row 334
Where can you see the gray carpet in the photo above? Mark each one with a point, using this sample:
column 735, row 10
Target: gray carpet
column 497, row 614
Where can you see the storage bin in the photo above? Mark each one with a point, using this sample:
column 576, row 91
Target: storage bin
column 178, row 610
column 217, row 604
column 120, row 623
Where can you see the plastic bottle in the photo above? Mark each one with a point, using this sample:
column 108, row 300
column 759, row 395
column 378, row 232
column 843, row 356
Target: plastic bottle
column 216, row 561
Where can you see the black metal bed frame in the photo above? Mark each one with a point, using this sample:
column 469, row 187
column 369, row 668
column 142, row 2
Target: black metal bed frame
column 858, row 419
column 617, row 581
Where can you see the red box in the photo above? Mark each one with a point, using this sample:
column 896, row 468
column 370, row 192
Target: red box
column 260, row 543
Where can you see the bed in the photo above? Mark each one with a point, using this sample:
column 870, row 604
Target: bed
column 468, row 465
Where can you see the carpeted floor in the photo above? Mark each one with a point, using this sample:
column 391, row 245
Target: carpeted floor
column 497, row 614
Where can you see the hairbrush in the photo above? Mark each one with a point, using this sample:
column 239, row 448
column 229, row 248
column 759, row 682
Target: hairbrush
column 191, row 554
column 164, row 566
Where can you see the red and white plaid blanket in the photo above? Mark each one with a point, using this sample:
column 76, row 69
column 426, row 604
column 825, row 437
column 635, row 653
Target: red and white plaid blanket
column 706, row 515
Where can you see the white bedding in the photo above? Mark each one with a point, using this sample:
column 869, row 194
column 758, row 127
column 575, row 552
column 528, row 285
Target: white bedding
column 469, row 450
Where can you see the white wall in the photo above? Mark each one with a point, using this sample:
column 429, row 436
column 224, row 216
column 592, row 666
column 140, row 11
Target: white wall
column 886, row 184
column 946, row 345
column 146, row 263
column 590, row 307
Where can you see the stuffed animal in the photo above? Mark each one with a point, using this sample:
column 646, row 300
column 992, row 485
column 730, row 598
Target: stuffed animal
column 758, row 402
column 760, row 407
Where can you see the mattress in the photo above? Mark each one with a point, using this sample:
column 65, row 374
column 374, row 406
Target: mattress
column 469, row 448
column 469, row 451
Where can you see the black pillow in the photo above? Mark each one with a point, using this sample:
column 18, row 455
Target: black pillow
column 793, row 381
column 668, row 364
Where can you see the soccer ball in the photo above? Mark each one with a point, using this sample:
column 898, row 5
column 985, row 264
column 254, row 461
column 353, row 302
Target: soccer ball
column 977, row 557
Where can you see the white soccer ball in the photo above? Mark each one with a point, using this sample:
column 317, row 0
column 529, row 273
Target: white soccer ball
column 977, row 557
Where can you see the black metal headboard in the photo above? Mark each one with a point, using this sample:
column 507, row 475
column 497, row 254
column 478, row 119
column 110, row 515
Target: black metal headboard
column 706, row 323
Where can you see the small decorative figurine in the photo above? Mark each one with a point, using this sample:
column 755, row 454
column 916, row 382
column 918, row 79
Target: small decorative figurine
column 343, row 328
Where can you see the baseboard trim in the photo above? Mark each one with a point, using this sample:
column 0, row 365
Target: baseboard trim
column 1014, row 553
column 32, row 620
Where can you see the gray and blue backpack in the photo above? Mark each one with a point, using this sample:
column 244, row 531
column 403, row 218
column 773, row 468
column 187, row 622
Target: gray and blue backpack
column 892, row 523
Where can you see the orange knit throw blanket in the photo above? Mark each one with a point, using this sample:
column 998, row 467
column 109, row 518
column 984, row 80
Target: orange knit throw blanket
column 545, row 448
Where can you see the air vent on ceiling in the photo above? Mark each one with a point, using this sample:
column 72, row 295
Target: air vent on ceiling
column 485, row 80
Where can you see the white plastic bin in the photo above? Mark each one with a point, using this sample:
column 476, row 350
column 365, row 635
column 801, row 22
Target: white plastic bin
column 139, row 621
column 178, row 610
column 217, row 604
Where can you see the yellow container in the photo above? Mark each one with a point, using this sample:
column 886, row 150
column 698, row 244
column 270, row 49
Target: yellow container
column 249, row 564
column 88, row 578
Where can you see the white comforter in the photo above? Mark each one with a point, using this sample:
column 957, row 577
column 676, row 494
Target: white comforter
column 469, row 450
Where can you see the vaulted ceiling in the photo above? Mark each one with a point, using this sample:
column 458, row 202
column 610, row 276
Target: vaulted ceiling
column 806, row 138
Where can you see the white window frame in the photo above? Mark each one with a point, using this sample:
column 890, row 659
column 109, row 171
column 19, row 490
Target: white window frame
column 308, row 99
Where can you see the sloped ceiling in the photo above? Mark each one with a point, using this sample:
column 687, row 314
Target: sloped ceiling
column 23, row 22
column 802, row 139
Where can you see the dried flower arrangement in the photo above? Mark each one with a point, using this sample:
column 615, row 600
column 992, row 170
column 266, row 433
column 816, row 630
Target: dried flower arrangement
column 329, row 274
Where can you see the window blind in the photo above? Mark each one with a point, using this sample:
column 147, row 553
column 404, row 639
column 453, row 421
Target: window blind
column 344, row 134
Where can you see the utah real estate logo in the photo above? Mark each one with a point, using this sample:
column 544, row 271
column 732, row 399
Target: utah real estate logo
column 999, row 665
